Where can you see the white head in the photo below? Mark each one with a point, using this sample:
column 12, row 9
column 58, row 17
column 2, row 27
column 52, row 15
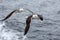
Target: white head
column 21, row 10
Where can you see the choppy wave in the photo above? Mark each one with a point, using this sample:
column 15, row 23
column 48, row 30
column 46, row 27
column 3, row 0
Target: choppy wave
column 10, row 34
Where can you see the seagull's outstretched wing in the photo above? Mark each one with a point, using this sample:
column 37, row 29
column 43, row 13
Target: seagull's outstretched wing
column 28, row 21
column 9, row 15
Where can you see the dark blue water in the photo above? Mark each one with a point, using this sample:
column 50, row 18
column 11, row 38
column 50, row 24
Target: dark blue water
column 48, row 29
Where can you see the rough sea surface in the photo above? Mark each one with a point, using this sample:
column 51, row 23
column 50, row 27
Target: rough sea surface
column 13, row 28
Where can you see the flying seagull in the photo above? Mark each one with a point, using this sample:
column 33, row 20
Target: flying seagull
column 10, row 14
column 17, row 10
column 28, row 21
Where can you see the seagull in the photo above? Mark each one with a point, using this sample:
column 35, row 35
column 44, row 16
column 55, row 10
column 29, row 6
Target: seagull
column 28, row 21
column 10, row 14
column 16, row 10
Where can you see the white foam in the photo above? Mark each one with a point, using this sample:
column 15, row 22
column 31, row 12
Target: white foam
column 9, row 34
column 1, row 25
column 24, row 37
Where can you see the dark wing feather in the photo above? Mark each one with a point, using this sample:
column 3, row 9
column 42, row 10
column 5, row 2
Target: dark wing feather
column 40, row 17
column 8, row 15
column 28, row 21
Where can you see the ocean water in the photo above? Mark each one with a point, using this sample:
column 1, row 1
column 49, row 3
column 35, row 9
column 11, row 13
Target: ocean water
column 13, row 28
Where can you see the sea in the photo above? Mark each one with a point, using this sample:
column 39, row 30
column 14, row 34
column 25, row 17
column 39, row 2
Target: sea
column 13, row 28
